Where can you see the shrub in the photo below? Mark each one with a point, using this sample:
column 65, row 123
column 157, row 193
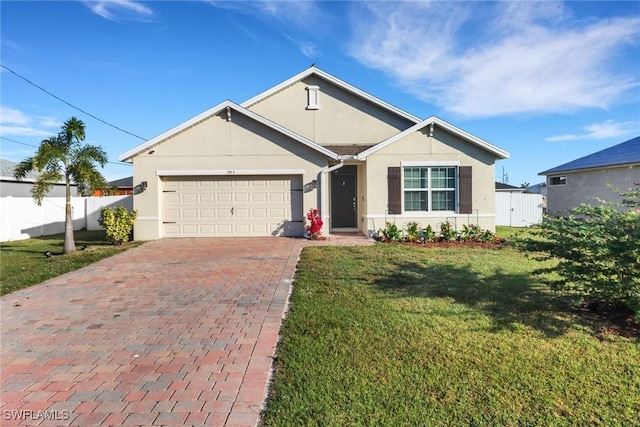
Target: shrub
column 117, row 223
column 428, row 235
column 447, row 233
column 413, row 231
column 391, row 233
column 598, row 248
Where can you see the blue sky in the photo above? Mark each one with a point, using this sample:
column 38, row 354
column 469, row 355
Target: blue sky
column 547, row 81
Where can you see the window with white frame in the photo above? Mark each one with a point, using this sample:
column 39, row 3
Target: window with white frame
column 430, row 188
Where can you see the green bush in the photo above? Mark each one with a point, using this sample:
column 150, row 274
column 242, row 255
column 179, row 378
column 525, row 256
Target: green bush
column 391, row 233
column 117, row 223
column 413, row 231
column 598, row 248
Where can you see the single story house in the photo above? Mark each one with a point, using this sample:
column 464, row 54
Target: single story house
column 587, row 179
column 11, row 187
column 118, row 187
column 312, row 141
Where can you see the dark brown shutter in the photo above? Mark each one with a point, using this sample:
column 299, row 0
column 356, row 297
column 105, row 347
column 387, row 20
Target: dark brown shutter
column 465, row 193
column 394, row 175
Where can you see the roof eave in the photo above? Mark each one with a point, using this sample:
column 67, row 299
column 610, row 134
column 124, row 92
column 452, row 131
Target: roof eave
column 128, row 156
column 555, row 171
column 498, row 152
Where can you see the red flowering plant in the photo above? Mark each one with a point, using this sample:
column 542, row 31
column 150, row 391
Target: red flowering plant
column 314, row 229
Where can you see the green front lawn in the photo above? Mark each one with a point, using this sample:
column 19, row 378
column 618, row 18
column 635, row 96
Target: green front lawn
column 22, row 262
column 394, row 335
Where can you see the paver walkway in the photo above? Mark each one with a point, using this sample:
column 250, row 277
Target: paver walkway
column 174, row 332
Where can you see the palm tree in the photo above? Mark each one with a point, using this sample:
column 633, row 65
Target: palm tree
column 64, row 158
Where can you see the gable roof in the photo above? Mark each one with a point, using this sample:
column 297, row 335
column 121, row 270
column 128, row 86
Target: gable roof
column 498, row 152
column 335, row 81
column 215, row 110
column 625, row 153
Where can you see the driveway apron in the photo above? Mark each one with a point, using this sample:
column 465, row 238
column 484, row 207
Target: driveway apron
column 174, row 332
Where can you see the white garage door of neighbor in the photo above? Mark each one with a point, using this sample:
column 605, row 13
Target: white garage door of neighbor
column 207, row 206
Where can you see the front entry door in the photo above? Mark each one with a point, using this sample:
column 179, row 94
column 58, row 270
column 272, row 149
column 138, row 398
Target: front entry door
column 343, row 198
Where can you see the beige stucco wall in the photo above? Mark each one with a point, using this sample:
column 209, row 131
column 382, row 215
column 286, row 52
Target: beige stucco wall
column 588, row 187
column 342, row 118
column 216, row 144
column 442, row 147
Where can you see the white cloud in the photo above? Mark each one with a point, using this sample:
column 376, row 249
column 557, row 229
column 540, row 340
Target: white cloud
column 12, row 116
column 117, row 10
column 22, row 131
column 287, row 15
column 491, row 59
column 15, row 122
column 605, row 130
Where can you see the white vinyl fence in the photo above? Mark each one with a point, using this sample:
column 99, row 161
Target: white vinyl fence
column 21, row 218
column 516, row 209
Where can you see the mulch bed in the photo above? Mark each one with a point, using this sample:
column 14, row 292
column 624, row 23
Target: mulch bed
column 611, row 320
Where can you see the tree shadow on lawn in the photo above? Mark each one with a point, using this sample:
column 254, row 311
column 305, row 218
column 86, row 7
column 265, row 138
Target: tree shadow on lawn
column 510, row 300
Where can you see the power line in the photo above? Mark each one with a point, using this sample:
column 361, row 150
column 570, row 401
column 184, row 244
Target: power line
column 69, row 104
column 18, row 142
column 34, row 146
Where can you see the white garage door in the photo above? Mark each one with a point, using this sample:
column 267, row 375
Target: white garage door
column 206, row 206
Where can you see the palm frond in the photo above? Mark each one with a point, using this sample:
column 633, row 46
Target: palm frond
column 44, row 183
column 23, row 168
column 74, row 128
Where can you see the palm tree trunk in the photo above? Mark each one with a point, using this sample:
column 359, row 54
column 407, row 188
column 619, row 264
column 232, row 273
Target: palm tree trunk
column 69, row 242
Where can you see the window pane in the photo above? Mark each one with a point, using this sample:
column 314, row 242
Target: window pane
column 443, row 200
column 415, row 177
column 415, row 200
column 443, row 178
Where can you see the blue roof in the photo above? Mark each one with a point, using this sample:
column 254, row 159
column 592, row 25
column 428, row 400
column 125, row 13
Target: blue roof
column 625, row 153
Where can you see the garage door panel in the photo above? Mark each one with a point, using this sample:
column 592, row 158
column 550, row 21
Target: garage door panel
column 242, row 213
column 207, row 197
column 224, row 198
column 232, row 206
column 242, row 197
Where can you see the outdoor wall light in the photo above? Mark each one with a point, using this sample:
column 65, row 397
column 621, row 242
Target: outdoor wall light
column 151, row 152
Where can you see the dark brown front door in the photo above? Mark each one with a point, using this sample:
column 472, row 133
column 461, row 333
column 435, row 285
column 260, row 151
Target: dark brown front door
column 343, row 198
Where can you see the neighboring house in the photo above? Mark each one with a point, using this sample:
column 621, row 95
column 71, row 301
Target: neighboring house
column 119, row 187
column 312, row 141
column 586, row 180
column 9, row 186
column 502, row 187
column 540, row 188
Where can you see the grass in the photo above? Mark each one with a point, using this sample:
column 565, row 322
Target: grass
column 397, row 335
column 23, row 264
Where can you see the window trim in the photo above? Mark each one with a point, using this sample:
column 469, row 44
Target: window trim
column 560, row 178
column 429, row 190
column 313, row 97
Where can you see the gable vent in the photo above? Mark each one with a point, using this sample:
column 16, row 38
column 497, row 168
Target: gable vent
column 313, row 97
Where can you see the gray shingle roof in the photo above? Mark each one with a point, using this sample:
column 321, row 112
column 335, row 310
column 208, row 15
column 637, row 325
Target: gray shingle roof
column 624, row 153
column 7, row 167
column 123, row 182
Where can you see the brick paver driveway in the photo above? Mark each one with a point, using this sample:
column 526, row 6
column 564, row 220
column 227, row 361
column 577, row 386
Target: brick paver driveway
column 174, row 332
